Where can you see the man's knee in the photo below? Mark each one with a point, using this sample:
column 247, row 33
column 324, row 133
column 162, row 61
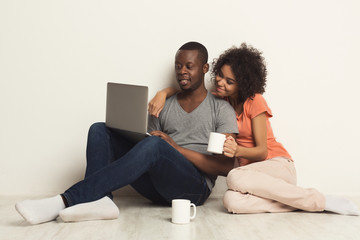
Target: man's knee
column 152, row 143
column 97, row 127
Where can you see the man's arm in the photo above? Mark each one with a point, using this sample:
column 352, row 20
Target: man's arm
column 210, row 164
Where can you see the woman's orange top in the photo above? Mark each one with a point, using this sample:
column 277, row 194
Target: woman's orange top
column 252, row 108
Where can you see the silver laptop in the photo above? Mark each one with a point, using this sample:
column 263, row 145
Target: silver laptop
column 126, row 110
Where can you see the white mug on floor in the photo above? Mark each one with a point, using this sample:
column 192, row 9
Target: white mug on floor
column 181, row 211
column 216, row 143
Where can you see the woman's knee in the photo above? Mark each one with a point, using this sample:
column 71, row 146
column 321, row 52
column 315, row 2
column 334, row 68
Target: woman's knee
column 234, row 179
column 227, row 200
column 237, row 179
column 234, row 201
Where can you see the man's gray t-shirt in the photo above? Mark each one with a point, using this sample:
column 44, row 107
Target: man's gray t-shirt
column 192, row 130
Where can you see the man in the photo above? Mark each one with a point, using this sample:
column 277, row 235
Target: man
column 172, row 163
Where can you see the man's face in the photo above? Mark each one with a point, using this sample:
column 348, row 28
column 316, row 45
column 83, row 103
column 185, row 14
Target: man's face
column 189, row 69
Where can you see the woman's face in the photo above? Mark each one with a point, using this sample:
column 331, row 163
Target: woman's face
column 225, row 83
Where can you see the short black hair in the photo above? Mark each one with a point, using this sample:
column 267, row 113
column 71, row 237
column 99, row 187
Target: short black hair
column 203, row 53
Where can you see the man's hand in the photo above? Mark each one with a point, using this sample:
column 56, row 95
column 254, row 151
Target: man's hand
column 166, row 138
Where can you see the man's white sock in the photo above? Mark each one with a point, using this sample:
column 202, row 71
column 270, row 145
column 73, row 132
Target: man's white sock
column 102, row 209
column 42, row 210
column 340, row 205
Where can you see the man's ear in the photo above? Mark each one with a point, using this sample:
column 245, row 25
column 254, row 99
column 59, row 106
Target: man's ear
column 205, row 68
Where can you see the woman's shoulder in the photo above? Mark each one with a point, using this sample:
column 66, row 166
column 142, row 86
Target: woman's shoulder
column 256, row 99
column 257, row 104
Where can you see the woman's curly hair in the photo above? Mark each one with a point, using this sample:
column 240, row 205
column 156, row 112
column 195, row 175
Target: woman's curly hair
column 249, row 69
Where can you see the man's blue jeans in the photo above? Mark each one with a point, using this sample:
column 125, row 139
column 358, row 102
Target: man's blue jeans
column 152, row 167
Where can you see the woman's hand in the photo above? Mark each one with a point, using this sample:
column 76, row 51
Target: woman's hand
column 157, row 104
column 230, row 147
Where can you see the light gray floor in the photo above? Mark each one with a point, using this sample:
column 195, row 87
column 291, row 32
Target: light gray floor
column 140, row 219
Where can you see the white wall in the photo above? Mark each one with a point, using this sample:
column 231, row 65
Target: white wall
column 56, row 57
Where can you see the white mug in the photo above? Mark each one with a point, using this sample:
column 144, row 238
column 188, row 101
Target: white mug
column 181, row 211
column 216, row 143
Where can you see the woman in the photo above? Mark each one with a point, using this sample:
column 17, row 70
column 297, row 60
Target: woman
column 264, row 177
